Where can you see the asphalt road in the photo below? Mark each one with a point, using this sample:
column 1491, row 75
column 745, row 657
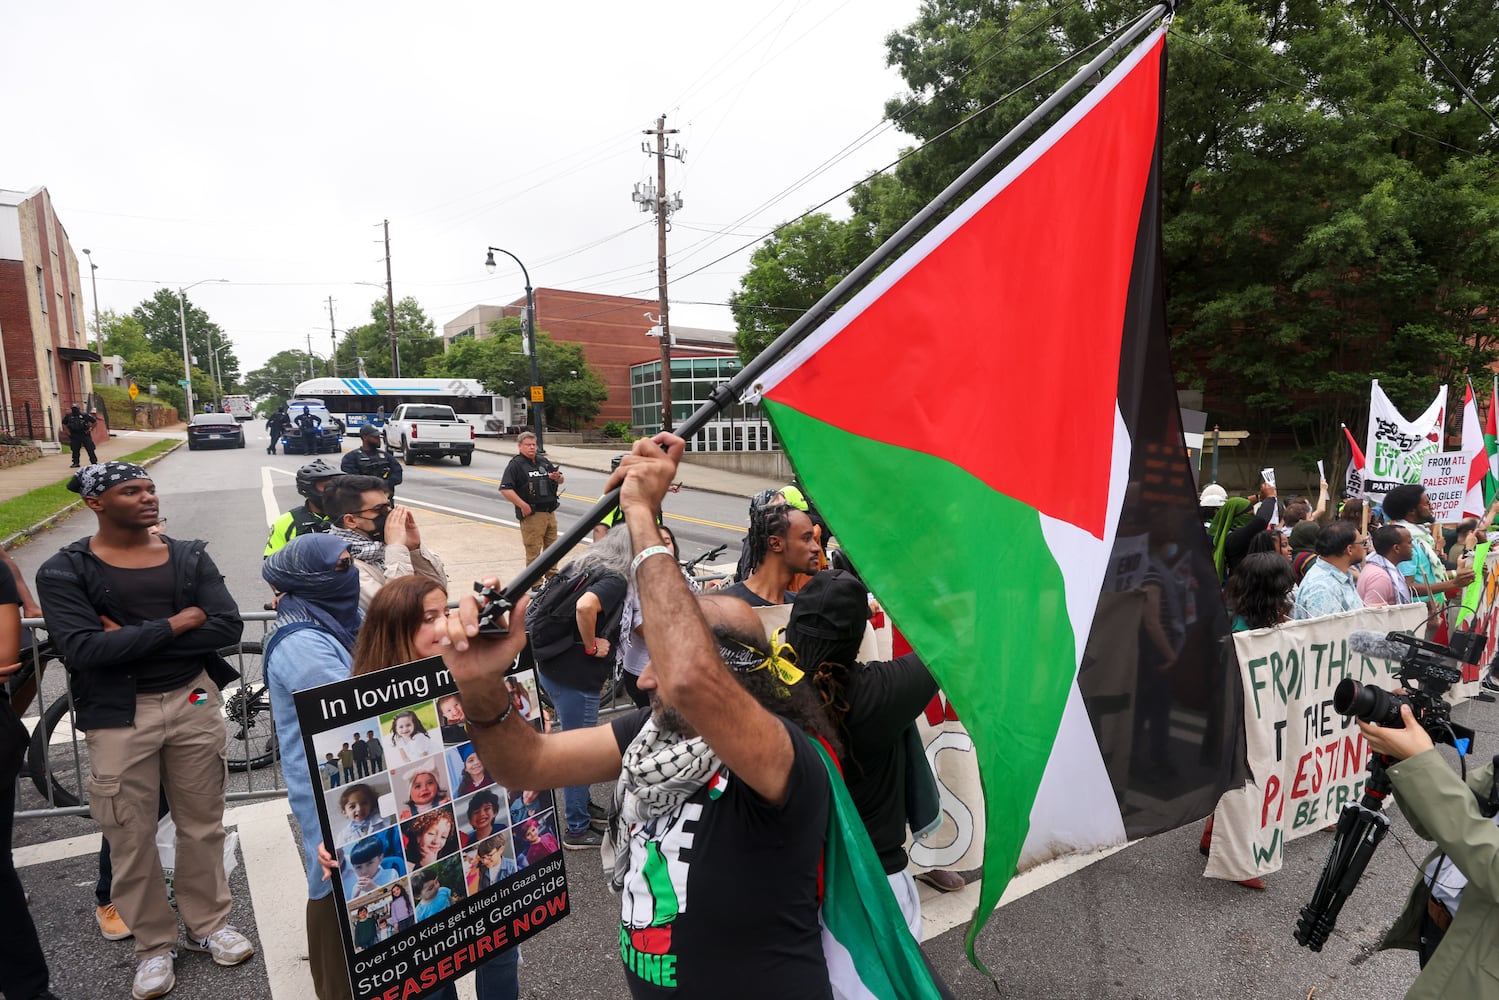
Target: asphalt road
column 1139, row 923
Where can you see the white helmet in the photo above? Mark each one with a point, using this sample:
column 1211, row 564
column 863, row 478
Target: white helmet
column 1213, row 496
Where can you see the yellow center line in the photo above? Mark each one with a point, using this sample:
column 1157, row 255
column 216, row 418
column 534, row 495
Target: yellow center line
column 588, row 500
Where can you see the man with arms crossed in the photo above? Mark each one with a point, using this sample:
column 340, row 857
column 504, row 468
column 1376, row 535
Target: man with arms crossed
column 139, row 619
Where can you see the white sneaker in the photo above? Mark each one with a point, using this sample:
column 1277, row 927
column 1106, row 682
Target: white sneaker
column 154, row 977
column 227, row 946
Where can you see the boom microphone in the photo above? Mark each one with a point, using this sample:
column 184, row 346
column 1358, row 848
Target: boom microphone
column 1375, row 645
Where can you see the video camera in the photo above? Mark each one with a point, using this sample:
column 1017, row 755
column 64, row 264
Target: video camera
column 1427, row 671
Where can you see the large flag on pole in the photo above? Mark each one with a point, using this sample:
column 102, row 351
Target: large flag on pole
column 1477, row 455
column 1036, row 310
column 1491, row 446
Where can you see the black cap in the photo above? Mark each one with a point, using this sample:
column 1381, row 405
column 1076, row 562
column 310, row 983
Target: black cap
column 833, row 605
column 369, row 430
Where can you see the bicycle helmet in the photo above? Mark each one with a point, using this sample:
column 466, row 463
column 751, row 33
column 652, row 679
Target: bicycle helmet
column 309, row 474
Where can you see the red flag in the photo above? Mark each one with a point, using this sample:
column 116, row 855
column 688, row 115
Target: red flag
column 1358, row 455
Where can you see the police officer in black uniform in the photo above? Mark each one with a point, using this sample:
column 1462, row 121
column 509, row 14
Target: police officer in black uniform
column 80, row 427
column 370, row 459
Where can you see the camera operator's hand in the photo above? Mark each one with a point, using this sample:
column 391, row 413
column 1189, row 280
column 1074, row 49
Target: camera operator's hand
column 1397, row 743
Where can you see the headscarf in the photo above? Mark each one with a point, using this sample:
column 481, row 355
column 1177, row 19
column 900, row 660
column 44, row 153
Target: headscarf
column 1304, row 536
column 1235, row 513
column 312, row 590
column 91, row 480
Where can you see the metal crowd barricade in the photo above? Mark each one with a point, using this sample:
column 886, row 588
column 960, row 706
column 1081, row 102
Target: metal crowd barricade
column 56, row 760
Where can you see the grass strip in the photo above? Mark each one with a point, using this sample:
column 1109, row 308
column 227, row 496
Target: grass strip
column 33, row 508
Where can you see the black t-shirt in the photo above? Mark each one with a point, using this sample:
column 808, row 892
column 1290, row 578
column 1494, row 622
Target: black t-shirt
column 883, row 699
column 721, row 897
column 9, row 592
column 574, row 668
column 741, row 590
column 529, row 479
column 152, row 593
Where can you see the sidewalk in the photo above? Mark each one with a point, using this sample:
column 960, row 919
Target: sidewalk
column 694, row 477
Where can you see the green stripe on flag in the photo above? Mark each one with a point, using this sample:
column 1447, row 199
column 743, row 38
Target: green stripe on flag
column 973, row 585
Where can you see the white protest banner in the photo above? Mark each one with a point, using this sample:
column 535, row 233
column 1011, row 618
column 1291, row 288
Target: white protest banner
column 1445, row 479
column 1397, row 447
column 439, row 866
column 1321, row 472
column 1267, row 476
column 1307, row 761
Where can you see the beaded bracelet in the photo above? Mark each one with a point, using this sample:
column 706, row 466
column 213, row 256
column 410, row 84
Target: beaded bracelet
column 470, row 723
column 654, row 550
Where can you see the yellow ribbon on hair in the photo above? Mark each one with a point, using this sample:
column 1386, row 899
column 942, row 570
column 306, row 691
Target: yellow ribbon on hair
column 781, row 662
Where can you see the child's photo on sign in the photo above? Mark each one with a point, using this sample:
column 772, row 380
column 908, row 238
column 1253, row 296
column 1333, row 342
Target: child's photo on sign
column 360, row 808
column 371, row 863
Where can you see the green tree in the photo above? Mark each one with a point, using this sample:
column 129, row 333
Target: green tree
column 271, row 384
column 788, row 274
column 1329, row 197
column 161, row 323
column 574, row 392
column 416, row 338
column 122, row 335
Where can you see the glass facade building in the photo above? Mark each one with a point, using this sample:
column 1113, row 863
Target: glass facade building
column 740, row 427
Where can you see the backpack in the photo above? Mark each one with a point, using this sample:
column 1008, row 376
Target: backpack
column 551, row 625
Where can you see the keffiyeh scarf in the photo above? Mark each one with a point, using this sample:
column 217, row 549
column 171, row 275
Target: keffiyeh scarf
column 659, row 772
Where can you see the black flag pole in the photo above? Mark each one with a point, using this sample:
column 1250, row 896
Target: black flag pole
column 725, row 394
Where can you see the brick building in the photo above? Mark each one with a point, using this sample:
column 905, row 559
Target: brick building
column 612, row 330
column 44, row 351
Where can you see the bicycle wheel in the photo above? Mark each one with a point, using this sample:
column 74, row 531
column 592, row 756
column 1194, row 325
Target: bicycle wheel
column 58, row 773
column 250, row 732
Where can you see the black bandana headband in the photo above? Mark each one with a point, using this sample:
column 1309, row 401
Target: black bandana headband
column 91, row 480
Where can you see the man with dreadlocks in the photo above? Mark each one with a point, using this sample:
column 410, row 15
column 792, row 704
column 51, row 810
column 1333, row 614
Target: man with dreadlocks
column 780, row 545
column 871, row 705
column 721, row 800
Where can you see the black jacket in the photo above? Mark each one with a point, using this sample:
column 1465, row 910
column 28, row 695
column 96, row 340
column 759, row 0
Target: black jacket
column 74, row 592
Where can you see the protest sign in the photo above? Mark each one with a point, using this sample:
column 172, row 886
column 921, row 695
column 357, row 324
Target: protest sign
column 1306, row 760
column 1397, row 448
column 1444, row 476
column 439, row 867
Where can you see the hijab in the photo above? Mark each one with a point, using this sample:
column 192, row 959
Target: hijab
column 1235, row 513
column 313, row 589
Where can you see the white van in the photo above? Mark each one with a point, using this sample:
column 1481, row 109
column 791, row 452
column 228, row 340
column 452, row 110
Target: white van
column 239, row 407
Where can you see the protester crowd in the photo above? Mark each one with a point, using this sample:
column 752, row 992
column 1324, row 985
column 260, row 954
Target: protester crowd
column 734, row 747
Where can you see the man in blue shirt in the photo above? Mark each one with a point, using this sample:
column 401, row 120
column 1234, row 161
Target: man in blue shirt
column 1329, row 587
column 1410, row 507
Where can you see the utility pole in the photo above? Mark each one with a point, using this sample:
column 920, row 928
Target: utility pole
column 309, row 356
column 390, row 308
column 333, row 342
column 653, row 198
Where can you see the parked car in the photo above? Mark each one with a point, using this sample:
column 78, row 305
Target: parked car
column 331, row 438
column 214, row 430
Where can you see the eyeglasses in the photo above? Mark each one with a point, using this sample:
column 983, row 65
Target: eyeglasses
column 374, row 512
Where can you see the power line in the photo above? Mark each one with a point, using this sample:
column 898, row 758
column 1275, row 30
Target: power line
column 1440, row 61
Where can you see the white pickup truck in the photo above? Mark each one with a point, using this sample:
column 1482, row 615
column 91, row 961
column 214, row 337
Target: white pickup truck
column 429, row 430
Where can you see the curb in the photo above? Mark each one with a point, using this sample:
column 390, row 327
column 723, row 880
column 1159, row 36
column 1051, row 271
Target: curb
column 603, row 466
column 25, row 534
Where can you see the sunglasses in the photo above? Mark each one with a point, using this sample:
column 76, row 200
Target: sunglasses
column 344, row 562
column 374, row 512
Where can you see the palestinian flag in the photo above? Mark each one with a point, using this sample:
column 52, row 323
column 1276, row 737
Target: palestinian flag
column 1474, row 446
column 991, row 430
column 1491, row 447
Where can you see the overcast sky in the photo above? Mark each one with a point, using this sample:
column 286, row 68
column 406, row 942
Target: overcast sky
column 264, row 144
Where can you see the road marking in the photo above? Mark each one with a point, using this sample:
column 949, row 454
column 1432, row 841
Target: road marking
column 268, row 494
column 588, row 500
column 467, row 514
column 273, row 863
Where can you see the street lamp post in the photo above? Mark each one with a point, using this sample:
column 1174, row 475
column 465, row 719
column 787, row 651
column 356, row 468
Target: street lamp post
column 94, row 281
column 537, row 405
column 187, row 363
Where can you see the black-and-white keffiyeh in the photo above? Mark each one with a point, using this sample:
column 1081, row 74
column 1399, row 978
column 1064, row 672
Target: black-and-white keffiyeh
column 658, row 773
column 360, row 547
column 91, row 480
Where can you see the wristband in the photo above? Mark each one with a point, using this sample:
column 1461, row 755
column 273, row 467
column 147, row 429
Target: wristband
column 592, row 650
column 470, row 723
column 654, row 550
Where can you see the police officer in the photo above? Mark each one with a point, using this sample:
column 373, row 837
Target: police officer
column 276, row 425
column 369, row 459
column 312, row 479
column 80, row 427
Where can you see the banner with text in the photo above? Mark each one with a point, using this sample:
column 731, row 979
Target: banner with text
column 1444, row 476
column 1397, row 448
column 439, row 866
column 1306, row 761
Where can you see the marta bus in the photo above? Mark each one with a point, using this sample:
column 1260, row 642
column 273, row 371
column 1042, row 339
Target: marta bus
column 355, row 401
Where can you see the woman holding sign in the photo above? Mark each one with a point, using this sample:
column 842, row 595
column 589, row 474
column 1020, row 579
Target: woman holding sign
column 313, row 644
column 398, row 628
